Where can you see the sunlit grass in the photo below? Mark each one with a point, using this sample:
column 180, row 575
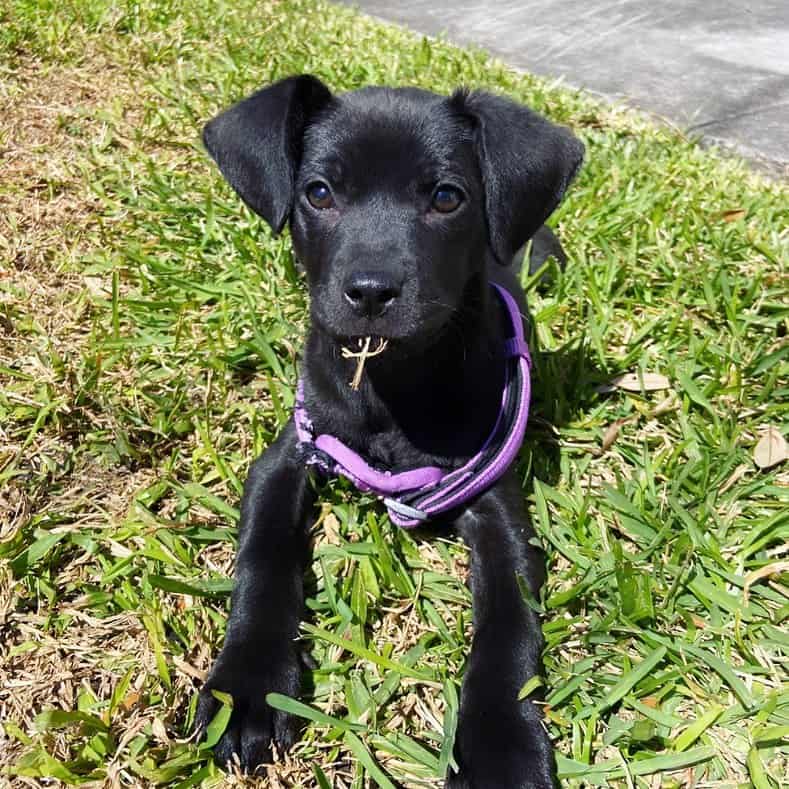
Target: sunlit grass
column 149, row 335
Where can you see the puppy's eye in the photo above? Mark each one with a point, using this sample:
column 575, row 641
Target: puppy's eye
column 446, row 199
column 319, row 195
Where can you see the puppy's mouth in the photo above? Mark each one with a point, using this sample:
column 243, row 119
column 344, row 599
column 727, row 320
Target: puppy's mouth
column 393, row 345
column 406, row 333
column 356, row 340
column 385, row 348
column 378, row 347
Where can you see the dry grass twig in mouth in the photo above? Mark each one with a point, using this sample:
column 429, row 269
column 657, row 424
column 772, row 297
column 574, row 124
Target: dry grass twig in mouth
column 361, row 357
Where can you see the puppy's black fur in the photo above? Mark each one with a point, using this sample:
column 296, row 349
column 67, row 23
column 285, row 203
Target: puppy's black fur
column 403, row 206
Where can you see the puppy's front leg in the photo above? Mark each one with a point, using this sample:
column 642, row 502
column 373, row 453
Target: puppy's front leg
column 259, row 655
column 501, row 741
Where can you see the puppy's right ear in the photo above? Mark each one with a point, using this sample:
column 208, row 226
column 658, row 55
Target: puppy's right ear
column 257, row 143
column 526, row 161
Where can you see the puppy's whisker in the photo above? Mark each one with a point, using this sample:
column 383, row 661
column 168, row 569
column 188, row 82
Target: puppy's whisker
column 440, row 304
column 458, row 327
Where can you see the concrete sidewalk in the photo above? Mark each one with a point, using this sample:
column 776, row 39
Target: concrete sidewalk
column 719, row 69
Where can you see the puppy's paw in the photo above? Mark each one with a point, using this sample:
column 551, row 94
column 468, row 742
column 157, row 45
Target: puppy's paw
column 254, row 726
column 495, row 748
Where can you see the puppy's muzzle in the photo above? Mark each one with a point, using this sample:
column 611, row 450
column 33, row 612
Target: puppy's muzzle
column 371, row 293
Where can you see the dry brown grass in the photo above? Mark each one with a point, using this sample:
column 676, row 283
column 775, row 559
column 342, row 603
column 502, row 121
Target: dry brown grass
column 47, row 219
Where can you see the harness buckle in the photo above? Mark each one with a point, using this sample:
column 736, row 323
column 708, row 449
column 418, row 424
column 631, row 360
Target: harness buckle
column 405, row 510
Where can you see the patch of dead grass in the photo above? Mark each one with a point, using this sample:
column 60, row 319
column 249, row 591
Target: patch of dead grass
column 48, row 119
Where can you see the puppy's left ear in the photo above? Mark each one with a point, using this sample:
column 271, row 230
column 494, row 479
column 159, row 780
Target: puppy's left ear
column 527, row 163
column 257, row 143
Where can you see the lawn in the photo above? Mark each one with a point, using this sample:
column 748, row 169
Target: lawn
column 149, row 337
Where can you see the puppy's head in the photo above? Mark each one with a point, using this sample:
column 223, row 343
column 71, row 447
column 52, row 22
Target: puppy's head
column 397, row 198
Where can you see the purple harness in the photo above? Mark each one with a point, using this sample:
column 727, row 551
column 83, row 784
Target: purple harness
column 414, row 496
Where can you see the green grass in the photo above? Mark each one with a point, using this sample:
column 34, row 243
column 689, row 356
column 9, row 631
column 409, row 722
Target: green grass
column 149, row 337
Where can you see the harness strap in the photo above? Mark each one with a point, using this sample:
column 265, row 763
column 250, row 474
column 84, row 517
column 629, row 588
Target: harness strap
column 416, row 495
column 369, row 478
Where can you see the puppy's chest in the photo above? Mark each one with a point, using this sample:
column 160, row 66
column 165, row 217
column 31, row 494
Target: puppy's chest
column 425, row 436
column 394, row 451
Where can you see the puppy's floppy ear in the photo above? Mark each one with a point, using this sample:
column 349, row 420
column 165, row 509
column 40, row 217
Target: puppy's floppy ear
column 527, row 163
column 257, row 143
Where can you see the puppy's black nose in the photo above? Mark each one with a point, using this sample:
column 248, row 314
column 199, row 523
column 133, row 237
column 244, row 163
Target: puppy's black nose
column 370, row 292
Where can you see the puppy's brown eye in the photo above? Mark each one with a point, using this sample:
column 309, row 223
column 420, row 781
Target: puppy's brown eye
column 319, row 195
column 446, row 199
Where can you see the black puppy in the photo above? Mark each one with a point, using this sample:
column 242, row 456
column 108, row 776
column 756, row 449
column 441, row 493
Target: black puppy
column 403, row 206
